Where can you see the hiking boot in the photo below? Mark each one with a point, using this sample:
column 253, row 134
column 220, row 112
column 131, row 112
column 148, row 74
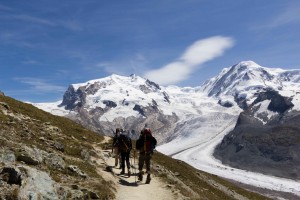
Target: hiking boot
column 122, row 172
column 140, row 176
column 148, row 179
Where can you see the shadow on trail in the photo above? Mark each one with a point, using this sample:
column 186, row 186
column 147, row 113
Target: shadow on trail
column 126, row 183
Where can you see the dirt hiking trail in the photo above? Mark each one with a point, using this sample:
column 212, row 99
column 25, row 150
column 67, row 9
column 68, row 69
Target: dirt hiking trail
column 129, row 187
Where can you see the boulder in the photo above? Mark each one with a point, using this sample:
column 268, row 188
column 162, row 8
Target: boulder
column 37, row 184
column 30, row 156
column 59, row 146
column 77, row 171
column 55, row 161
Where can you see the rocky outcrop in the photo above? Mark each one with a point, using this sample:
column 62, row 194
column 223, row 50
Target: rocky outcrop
column 265, row 145
column 153, row 85
column 37, row 184
column 110, row 104
column 226, row 104
column 278, row 103
column 73, row 99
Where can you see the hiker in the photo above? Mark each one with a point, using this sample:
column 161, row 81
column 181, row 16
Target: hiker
column 125, row 147
column 115, row 147
column 145, row 144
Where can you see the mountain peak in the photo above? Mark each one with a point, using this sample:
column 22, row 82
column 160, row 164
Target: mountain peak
column 245, row 79
column 248, row 63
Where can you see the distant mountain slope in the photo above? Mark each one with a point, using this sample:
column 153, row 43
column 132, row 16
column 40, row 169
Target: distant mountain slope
column 181, row 115
column 131, row 102
column 266, row 138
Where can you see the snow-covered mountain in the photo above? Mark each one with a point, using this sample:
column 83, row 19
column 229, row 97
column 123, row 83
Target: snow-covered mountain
column 183, row 119
column 173, row 112
column 245, row 79
column 131, row 102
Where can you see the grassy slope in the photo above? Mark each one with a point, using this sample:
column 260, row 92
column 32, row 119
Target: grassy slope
column 207, row 186
column 73, row 137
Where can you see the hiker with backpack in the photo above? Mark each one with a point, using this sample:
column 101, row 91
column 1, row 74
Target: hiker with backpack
column 125, row 146
column 146, row 145
column 115, row 147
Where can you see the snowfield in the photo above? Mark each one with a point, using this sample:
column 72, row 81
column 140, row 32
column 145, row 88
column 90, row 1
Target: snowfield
column 201, row 157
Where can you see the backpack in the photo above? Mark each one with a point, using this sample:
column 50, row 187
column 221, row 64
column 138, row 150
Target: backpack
column 116, row 141
column 124, row 143
column 146, row 142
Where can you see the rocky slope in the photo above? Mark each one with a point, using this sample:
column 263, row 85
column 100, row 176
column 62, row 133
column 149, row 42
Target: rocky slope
column 46, row 157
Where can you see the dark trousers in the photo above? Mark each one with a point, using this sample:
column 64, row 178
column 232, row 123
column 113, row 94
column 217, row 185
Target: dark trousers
column 125, row 157
column 145, row 158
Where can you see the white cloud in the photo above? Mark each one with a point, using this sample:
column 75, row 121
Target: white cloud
column 135, row 64
column 33, row 19
column 30, row 62
column 289, row 16
column 198, row 53
column 169, row 74
column 40, row 85
column 5, row 8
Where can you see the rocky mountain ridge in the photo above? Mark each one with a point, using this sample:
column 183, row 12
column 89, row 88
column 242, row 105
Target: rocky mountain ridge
column 246, row 79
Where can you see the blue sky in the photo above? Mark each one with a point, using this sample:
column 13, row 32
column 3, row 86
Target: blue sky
column 46, row 45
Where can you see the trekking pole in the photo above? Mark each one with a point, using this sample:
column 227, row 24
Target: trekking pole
column 134, row 165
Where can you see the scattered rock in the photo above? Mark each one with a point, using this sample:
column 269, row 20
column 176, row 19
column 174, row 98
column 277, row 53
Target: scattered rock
column 109, row 169
column 37, row 184
column 5, row 105
column 30, row 156
column 94, row 195
column 27, row 159
column 76, row 170
column 75, row 187
column 59, row 146
column 8, row 157
column 76, row 194
column 55, row 161
column 11, row 175
column 177, row 174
